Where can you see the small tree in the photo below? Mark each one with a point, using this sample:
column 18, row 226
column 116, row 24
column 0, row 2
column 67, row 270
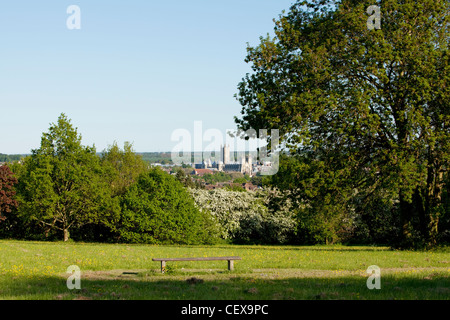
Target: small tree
column 7, row 192
column 123, row 167
column 60, row 185
column 184, row 178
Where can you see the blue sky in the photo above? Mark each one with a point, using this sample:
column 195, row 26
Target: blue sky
column 135, row 71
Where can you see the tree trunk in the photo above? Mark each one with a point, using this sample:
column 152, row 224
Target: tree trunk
column 66, row 234
column 433, row 204
column 406, row 215
column 420, row 216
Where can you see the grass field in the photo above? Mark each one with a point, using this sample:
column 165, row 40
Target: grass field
column 37, row 270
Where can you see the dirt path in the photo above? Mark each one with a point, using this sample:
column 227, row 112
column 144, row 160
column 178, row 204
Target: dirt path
column 427, row 273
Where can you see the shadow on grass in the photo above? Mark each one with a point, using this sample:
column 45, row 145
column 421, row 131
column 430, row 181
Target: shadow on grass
column 226, row 287
column 305, row 248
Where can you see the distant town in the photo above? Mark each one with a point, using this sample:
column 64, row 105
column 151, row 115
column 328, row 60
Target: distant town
column 223, row 169
column 235, row 170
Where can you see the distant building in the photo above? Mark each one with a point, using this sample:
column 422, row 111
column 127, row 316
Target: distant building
column 202, row 172
column 212, row 186
column 245, row 166
column 225, row 154
column 249, row 186
column 204, row 165
column 232, row 167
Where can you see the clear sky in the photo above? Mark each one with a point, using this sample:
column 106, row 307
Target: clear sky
column 136, row 70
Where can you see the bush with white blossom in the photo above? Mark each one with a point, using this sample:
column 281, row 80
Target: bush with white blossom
column 245, row 216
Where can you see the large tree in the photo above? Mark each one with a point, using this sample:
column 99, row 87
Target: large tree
column 367, row 109
column 61, row 184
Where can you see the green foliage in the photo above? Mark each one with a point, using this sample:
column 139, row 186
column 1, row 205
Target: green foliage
column 186, row 179
column 257, row 180
column 376, row 219
column 157, row 157
column 157, row 209
column 366, row 110
column 60, row 185
column 10, row 157
column 122, row 167
column 444, row 222
column 240, row 180
column 322, row 213
column 217, row 177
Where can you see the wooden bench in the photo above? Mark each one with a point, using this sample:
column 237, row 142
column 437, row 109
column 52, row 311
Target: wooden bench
column 229, row 259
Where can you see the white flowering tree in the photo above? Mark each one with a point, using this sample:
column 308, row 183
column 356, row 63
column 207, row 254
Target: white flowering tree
column 245, row 216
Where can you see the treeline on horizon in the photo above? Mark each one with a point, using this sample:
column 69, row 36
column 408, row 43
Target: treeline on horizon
column 11, row 157
column 150, row 157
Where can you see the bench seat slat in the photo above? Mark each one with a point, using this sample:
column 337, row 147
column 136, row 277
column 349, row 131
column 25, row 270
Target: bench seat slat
column 230, row 260
column 197, row 259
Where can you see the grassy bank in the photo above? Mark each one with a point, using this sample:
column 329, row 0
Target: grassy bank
column 37, row 270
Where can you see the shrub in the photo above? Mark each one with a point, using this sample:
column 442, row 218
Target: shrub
column 157, row 209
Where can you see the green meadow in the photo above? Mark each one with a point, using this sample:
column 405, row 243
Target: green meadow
column 38, row 271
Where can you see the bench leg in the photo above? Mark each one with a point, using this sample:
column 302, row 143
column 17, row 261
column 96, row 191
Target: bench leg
column 230, row 265
column 163, row 266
